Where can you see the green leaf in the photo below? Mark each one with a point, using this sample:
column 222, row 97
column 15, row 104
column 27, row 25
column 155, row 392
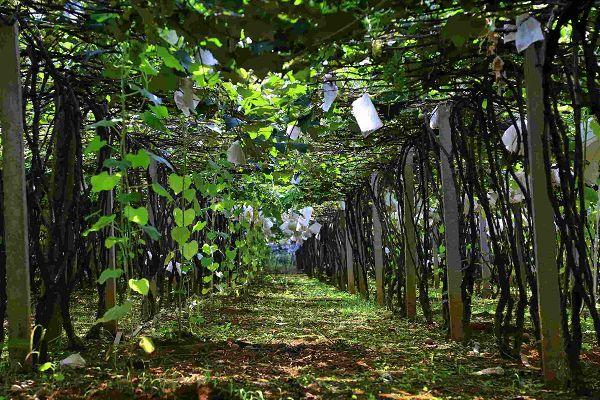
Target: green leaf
column 128, row 198
column 146, row 344
column 152, row 232
column 231, row 254
column 110, row 241
column 106, row 123
column 115, row 313
column 169, row 60
column 161, row 191
column 213, row 267
column 184, row 218
column 45, row 367
column 142, row 286
column 104, row 181
column 95, row 145
column 109, row 274
column 209, row 249
column 190, row 249
column 206, row 261
column 139, row 160
column 138, row 215
column 153, row 121
column 189, row 194
column 102, row 222
column 161, row 112
column 176, row 183
column 199, row 226
column 180, row 234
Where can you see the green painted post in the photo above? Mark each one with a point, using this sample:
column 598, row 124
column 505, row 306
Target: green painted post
column 451, row 223
column 410, row 242
column 544, row 233
column 15, row 200
column 377, row 244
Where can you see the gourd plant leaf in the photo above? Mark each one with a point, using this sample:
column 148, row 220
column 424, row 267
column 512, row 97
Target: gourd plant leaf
column 142, row 286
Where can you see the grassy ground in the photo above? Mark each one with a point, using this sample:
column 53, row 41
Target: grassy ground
column 292, row 337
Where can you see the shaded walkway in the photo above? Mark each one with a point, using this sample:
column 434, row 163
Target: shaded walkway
column 292, row 337
column 295, row 337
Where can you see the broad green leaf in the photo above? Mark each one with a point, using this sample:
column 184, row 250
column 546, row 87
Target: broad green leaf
column 45, row 367
column 115, row 313
column 110, row 241
column 153, row 121
column 209, row 249
column 142, row 286
column 105, row 181
column 176, row 183
column 109, row 274
column 190, row 249
column 213, row 267
column 231, row 254
column 206, row 261
column 139, row 160
column 184, row 218
column 161, row 112
column 152, row 232
column 161, row 191
column 95, row 145
column 180, row 234
column 102, row 222
column 199, row 226
column 146, row 344
column 138, row 215
column 169, row 60
column 189, row 194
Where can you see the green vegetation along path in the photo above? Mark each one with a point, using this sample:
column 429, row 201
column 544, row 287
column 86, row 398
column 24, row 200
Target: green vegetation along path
column 294, row 337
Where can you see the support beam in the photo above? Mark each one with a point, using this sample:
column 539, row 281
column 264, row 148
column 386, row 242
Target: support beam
column 544, row 233
column 15, row 200
column 349, row 256
column 484, row 249
column 377, row 244
column 452, row 227
column 410, row 242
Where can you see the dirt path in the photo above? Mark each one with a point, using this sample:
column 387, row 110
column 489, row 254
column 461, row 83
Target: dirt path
column 292, row 337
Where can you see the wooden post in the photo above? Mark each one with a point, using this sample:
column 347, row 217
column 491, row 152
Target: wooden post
column 451, row 223
column 544, row 232
column 484, row 248
column 410, row 242
column 377, row 244
column 15, row 198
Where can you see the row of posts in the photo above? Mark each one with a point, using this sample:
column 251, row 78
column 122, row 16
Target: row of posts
column 553, row 357
column 544, row 233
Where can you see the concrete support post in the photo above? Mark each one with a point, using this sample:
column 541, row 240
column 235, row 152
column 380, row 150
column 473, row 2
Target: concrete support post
column 452, row 227
column 544, row 232
column 15, row 199
column 410, row 242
